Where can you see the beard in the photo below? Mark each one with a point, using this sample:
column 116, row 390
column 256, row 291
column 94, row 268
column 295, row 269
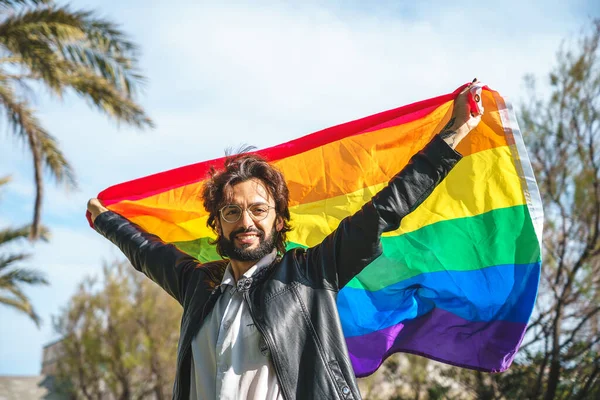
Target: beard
column 243, row 253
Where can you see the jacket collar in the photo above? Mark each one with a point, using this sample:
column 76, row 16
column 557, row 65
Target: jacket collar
column 229, row 280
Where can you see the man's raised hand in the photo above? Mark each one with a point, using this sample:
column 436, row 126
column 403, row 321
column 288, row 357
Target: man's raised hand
column 466, row 115
column 95, row 208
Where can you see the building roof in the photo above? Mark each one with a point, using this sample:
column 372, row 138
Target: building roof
column 23, row 387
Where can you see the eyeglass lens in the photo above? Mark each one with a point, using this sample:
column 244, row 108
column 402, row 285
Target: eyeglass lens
column 233, row 212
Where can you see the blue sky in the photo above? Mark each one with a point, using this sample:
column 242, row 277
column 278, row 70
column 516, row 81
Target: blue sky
column 259, row 72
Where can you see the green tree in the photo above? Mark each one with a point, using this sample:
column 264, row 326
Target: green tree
column 12, row 276
column 43, row 45
column 409, row 377
column 560, row 354
column 119, row 338
column 563, row 133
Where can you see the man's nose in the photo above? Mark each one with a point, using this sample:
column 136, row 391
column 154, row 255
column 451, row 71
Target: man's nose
column 246, row 220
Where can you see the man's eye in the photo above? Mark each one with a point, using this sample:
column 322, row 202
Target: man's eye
column 259, row 210
column 231, row 211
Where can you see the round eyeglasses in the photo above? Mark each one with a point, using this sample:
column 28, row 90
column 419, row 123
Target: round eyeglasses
column 232, row 212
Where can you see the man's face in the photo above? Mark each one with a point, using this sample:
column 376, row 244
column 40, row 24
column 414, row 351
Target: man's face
column 249, row 238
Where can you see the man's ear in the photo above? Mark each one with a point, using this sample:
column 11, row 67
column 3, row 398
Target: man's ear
column 218, row 226
column 279, row 224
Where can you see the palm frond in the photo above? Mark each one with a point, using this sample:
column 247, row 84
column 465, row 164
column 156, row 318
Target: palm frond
column 6, row 261
column 10, row 284
column 26, row 35
column 8, row 235
column 63, row 50
column 103, row 94
column 11, row 278
column 6, row 264
column 107, row 52
column 17, row 276
column 77, row 37
column 23, row 306
column 15, row 3
column 20, row 82
column 25, row 124
column 43, row 146
column 55, row 160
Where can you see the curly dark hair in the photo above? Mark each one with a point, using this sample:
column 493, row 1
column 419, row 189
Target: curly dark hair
column 239, row 168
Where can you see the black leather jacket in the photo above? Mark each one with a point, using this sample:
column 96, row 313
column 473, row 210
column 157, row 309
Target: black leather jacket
column 293, row 302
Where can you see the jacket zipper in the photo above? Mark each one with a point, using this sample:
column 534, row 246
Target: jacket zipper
column 267, row 339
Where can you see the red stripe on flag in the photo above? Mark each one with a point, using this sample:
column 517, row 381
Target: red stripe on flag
column 153, row 184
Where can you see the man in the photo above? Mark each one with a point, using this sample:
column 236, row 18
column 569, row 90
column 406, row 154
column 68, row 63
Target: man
column 263, row 322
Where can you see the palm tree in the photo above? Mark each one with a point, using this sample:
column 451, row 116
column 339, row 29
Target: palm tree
column 46, row 45
column 13, row 277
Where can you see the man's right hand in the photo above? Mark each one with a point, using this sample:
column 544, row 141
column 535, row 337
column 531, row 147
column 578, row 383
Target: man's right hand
column 95, row 208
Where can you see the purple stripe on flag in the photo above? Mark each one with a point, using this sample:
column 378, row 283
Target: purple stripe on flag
column 443, row 336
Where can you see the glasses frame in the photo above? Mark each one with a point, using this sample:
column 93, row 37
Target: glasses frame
column 246, row 209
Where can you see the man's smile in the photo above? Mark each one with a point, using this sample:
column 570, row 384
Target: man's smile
column 247, row 238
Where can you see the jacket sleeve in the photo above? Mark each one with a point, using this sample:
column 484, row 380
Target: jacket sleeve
column 356, row 242
column 166, row 265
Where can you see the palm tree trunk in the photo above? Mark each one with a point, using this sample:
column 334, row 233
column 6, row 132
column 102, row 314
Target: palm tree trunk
column 39, row 185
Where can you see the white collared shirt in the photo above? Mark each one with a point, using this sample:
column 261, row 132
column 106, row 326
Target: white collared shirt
column 229, row 357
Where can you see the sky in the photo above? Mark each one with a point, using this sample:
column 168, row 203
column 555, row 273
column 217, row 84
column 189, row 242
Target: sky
column 225, row 73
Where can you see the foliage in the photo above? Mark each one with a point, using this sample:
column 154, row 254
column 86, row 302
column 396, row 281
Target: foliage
column 563, row 133
column 50, row 46
column 120, row 338
column 560, row 354
column 559, row 358
column 410, row 377
column 12, row 276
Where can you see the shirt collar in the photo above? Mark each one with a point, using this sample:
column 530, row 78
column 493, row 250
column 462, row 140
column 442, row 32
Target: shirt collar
column 228, row 279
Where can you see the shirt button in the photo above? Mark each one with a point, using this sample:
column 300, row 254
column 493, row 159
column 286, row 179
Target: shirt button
column 345, row 390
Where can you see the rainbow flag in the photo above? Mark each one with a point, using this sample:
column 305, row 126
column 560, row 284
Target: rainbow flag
column 457, row 281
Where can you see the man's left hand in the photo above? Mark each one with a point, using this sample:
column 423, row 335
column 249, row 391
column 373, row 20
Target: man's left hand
column 464, row 117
